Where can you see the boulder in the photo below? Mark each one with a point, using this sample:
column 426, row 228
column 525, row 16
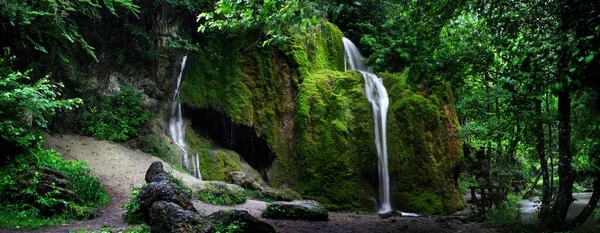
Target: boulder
column 220, row 193
column 246, row 181
column 288, row 195
column 162, row 191
column 154, row 169
column 390, row 214
column 300, row 209
column 168, row 217
column 250, row 223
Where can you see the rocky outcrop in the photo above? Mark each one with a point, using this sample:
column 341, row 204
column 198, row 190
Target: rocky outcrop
column 154, row 169
column 301, row 209
column 319, row 124
column 165, row 208
column 220, row 193
column 170, row 217
column 244, row 180
column 250, row 223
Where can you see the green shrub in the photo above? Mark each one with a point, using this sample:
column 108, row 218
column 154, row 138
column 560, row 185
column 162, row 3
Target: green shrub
column 234, row 227
column 184, row 189
column 116, row 118
column 36, row 210
column 508, row 216
column 132, row 214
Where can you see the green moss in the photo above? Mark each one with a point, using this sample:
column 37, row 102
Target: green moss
column 323, row 51
column 319, row 124
column 424, row 202
column 330, row 139
column 423, row 147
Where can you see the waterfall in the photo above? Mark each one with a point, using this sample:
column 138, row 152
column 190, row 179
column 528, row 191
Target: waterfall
column 176, row 129
column 378, row 97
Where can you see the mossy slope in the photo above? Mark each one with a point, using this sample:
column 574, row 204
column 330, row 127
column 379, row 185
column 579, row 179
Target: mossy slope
column 318, row 122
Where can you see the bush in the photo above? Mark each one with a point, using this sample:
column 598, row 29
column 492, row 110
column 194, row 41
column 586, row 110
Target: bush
column 234, row 227
column 36, row 210
column 508, row 216
column 132, row 213
column 116, row 118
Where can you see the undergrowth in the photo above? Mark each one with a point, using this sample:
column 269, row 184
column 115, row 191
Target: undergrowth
column 22, row 205
column 508, row 216
column 115, row 118
column 132, row 214
column 233, row 227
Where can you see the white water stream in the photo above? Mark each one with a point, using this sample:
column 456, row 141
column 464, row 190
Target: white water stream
column 176, row 129
column 378, row 97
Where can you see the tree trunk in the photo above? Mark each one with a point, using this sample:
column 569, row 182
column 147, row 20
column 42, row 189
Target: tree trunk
column 588, row 210
column 566, row 175
column 550, row 154
column 533, row 186
column 543, row 162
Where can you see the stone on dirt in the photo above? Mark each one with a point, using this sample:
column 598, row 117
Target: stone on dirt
column 299, row 209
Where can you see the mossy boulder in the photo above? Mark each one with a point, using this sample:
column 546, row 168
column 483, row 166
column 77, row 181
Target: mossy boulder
column 300, row 209
column 220, row 193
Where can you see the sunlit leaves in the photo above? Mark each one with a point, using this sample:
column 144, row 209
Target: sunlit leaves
column 275, row 19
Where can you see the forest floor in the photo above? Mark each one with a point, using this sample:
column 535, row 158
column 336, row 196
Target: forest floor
column 119, row 168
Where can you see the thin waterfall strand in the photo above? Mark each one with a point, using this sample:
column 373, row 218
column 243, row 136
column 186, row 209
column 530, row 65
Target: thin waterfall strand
column 176, row 129
column 378, row 97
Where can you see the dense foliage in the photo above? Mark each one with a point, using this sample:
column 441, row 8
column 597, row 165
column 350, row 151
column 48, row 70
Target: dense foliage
column 523, row 73
column 115, row 118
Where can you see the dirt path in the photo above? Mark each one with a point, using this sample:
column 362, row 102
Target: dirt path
column 119, row 167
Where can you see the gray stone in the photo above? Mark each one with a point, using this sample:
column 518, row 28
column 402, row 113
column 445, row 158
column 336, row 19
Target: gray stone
column 300, row 209
column 167, row 217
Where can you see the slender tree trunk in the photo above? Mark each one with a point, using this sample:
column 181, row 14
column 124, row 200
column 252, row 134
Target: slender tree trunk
column 566, row 175
column 588, row 210
column 550, row 154
column 512, row 146
column 543, row 162
column 489, row 145
column 533, row 186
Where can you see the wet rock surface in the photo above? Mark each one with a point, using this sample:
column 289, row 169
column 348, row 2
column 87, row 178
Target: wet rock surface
column 170, row 217
column 299, row 209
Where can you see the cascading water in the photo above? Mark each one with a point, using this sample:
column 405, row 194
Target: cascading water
column 378, row 97
column 177, row 131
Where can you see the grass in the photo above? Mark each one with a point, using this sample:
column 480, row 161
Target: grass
column 107, row 229
column 221, row 197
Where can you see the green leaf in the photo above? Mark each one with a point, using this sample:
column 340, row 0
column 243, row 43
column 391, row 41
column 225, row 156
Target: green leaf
column 589, row 58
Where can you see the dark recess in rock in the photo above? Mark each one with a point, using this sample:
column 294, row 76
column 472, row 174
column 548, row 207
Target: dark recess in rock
column 232, row 136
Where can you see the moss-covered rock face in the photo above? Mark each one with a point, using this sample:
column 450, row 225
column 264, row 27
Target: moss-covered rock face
column 423, row 148
column 318, row 122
